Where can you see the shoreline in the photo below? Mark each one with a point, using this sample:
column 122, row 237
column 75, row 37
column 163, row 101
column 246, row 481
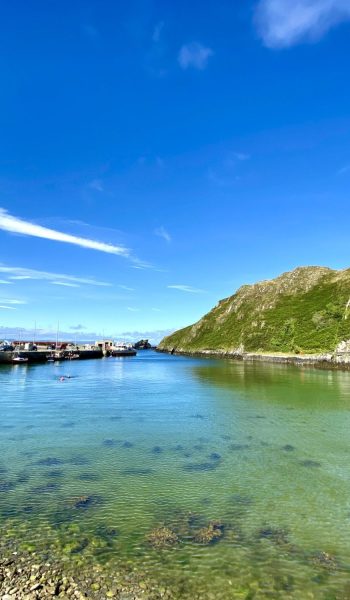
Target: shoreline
column 340, row 361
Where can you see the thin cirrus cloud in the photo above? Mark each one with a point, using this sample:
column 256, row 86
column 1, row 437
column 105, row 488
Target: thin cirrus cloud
column 21, row 273
column 11, row 304
column 163, row 233
column 15, row 225
column 186, row 288
column 284, row 23
column 194, row 55
column 65, row 284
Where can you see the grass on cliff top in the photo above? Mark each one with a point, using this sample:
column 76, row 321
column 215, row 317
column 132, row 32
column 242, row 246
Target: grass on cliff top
column 310, row 322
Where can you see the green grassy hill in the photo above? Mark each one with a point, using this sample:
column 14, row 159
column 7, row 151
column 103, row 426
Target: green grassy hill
column 303, row 311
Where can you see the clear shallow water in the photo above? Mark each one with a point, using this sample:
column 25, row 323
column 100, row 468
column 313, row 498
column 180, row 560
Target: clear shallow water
column 90, row 466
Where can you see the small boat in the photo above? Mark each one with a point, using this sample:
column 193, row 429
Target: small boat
column 73, row 356
column 19, row 359
column 123, row 350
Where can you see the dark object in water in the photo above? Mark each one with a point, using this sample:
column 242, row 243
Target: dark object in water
column 6, row 486
column 109, row 443
column 134, row 471
column 79, row 461
column 198, row 447
column 85, row 502
column 325, row 560
column 88, row 477
column 157, row 450
column 55, row 474
column 209, row 534
column 197, row 467
column 49, row 462
column 127, row 444
column 80, row 546
column 237, row 447
column 241, row 500
column 178, row 447
column 68, row 424
column 162, row 537
column 106, row 533
column 115, row 418
column 23, row 477
column 288, row 448
column 276, row 535
column 309, row 463
column 197, row 416
column 46, row 488
column 215, row 456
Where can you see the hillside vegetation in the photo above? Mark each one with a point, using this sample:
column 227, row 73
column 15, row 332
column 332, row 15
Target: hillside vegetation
column 303, row 311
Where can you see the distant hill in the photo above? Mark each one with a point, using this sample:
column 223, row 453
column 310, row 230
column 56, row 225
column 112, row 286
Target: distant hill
column 303, row 311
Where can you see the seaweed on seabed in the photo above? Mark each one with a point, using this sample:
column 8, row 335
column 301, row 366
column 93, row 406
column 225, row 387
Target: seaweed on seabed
column 162, row 537
column 157, row 450
column 210, row 534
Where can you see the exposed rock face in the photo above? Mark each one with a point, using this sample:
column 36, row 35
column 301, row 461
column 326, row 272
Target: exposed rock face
column 303, row 311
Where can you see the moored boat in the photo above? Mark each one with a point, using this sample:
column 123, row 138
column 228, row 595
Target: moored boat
column 122, row 349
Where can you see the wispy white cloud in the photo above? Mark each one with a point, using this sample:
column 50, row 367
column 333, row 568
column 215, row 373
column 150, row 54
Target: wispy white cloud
column 12, row 301
column 132, row 309
column 65, row 284
column 157, row 32
column 21, row 273
column 186, row 288
column 7, row 307
column 163, row 233
column 97, row 185
column 127, row 288
column 344, row 170
column 283, row 23
column 15, row 225
column 5, row 281
column 194, row 55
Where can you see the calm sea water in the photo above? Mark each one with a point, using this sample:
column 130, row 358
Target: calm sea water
column 89, row 467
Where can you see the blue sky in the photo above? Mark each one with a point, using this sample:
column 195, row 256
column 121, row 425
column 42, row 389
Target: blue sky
column 155, row 156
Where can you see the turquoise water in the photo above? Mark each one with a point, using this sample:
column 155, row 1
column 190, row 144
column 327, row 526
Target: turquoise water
column 91, row 466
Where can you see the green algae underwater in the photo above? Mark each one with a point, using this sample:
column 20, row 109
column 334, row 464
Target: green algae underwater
column 219, row 479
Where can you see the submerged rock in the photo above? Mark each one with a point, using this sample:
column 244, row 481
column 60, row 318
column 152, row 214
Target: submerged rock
column 157, row 450
column 288, row 448
column 210, row 533
column 162, row 537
